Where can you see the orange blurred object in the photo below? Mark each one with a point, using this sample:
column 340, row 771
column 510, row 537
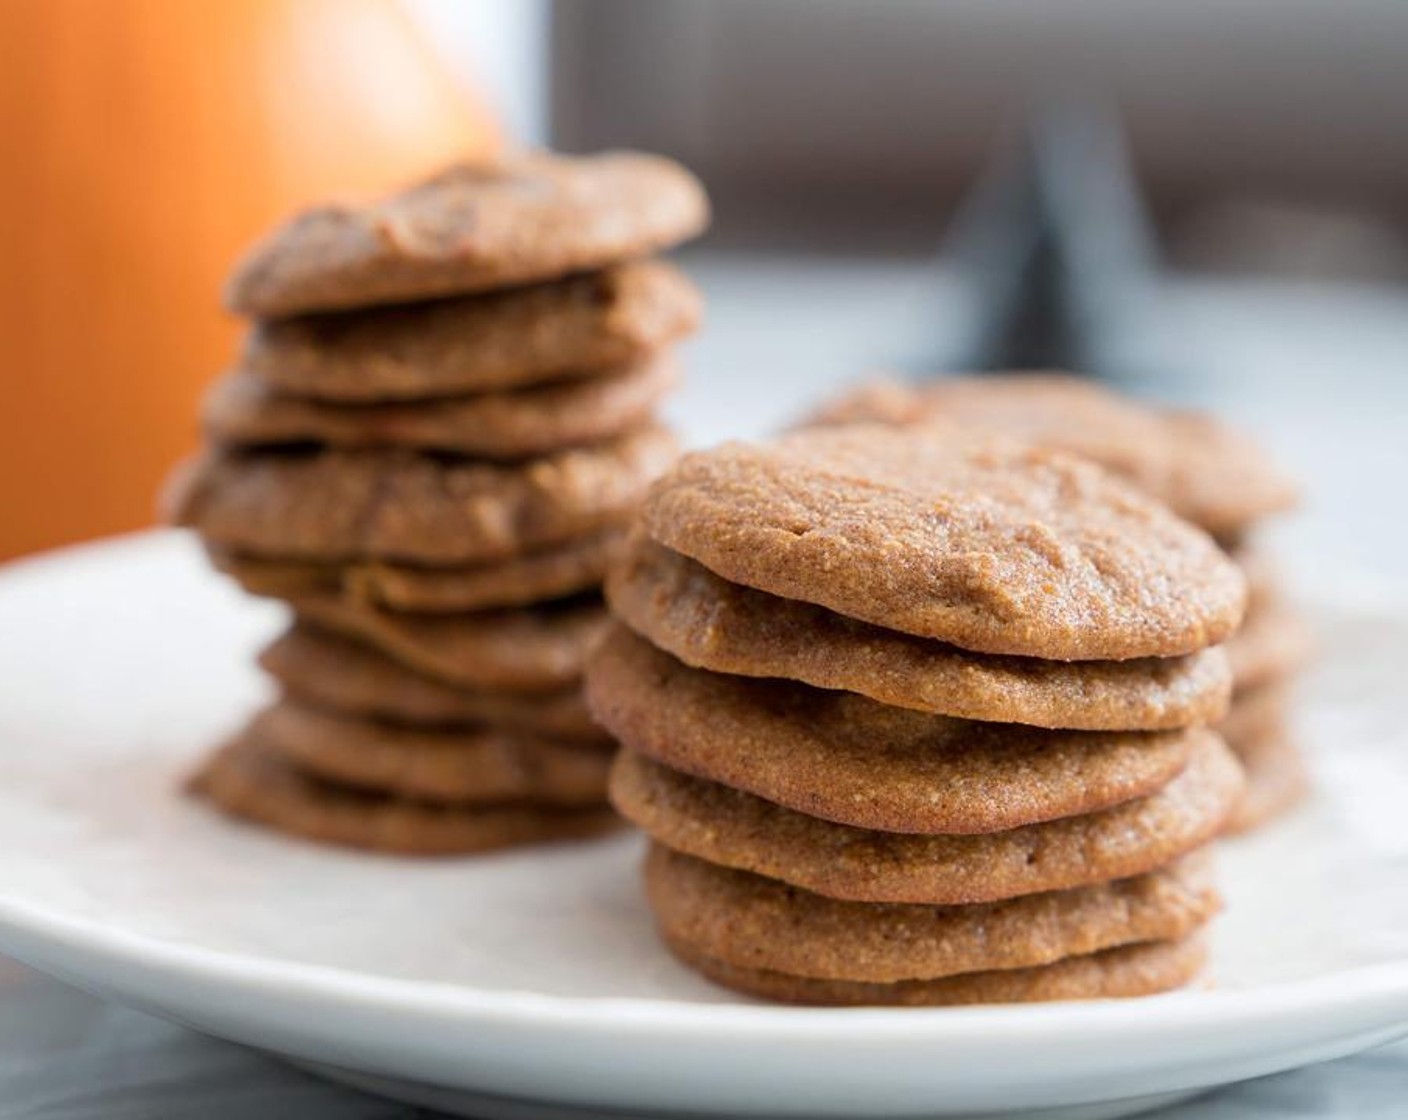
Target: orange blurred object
column 146, row 143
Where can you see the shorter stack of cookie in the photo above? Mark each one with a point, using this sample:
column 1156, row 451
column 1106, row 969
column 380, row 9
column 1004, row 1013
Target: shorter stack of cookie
column 1200, row 468
column 919, row 721
column 443, row 416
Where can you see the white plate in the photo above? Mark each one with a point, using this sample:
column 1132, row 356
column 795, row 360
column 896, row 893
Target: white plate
column 482, row 983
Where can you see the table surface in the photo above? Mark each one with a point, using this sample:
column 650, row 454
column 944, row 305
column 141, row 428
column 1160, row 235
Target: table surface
column 1321, row 373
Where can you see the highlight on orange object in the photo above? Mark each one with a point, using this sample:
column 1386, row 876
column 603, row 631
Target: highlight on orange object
column 146, row 143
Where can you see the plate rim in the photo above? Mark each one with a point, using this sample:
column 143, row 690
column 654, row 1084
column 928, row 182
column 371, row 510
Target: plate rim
column 1377, row 985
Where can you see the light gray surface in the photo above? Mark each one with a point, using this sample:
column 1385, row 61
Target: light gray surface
column 1323, row 375
column 67, row 1056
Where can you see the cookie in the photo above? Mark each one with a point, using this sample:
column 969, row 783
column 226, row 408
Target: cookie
column 1274, row 642
column 736, row 829
column 557, row 571
column 982, row 544
column 472, row 228
column 515, row 424
column 847, row 759
column 1277, row 780
column 525, row 649
column 752, row 922
column 1256, row 713
column 1264, row 581
column 246, row 779
column 339, row 505
column 706, row 621
column 1124, row 972
column 573, row 328
column 481, row 765
column 1202, row 469
column 347, row 676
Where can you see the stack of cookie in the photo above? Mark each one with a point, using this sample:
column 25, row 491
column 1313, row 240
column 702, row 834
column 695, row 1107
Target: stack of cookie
column 914, row 720
column 1213, row 476
column 444, row 414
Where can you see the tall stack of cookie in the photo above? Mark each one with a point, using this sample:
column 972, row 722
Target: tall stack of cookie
column 1208, row 473
column 919, row 721
column 444, row 414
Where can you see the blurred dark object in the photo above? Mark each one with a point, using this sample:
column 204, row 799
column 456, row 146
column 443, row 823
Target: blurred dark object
column 1054, row 246
column 849, row 124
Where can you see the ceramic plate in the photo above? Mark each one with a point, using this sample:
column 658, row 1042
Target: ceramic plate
column 529, row 984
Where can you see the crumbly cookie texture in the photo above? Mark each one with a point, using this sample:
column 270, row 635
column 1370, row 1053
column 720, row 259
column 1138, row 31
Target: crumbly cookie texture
column 1202, row 469
column 1124, row 972
column 481, row 765
column 250, row 780
column 350, row 677
column 473, row 228
column 338, row 505
column 736, row 829
column 708, row 622
column 848, row 759
column 566, row 330
column 754, row 922
column 985, row 544
column 557, row 571
column 511, row 425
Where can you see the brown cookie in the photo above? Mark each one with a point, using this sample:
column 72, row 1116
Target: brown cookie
column 246, row 779
column 736, row 829
column 1212, row 475
column 338, row 505
column 502, row 340
column 982, row 544
column 1277, row 780
column 557, row 571
column 245, row 411
column 753, row 922
column 1264, row 582
column 346, row 676
column 524, row 649
column 472, row 229
column 1130, row 970
column 708, row 622
column 1274, row 642
column 1256, row 713
column 847, row 759
column 480, row 765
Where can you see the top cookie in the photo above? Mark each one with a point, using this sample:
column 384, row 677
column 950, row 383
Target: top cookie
column 981, row 543
column 472, row 229
column 1203, row 470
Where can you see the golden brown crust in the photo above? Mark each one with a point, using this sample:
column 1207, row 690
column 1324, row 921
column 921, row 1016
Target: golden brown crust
column 1124, row 972
column 726, row 826
column 523, row 649
column 557, row 571
column 468, row 765
column 1216, row 477
column 244, row 411
column 710, row 623
column 752, row 922
column 847, row 759
column 338, row 505
column 982, row 544
column 473, row 229
column 347, row 676
column 496, row 341
column 247, row 780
